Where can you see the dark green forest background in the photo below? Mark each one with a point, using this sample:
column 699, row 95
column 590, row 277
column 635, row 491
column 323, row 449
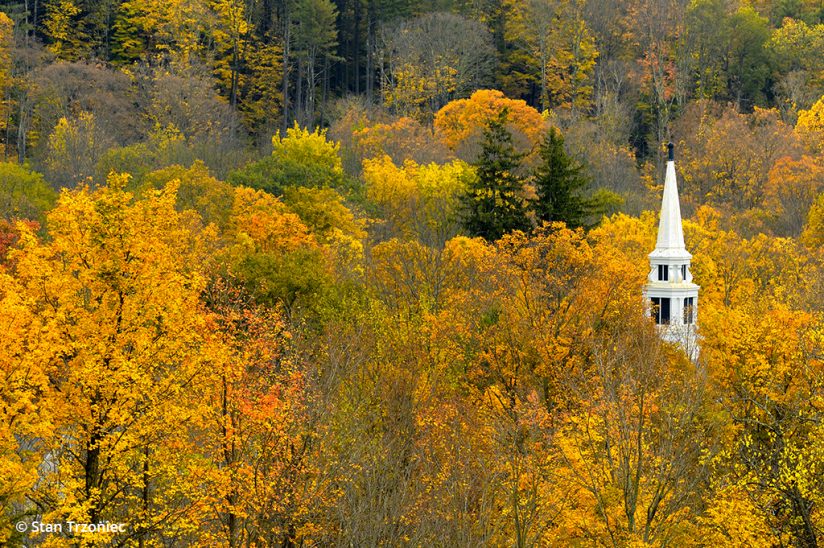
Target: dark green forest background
column 224, row 75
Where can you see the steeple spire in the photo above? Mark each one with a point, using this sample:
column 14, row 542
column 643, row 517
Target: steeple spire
column 670, row 232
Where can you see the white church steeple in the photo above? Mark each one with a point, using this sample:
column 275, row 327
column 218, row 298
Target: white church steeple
column 670, row 232
column 672, row 296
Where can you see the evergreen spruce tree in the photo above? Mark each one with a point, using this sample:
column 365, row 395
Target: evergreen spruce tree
column 559, row 182
column 494, row 204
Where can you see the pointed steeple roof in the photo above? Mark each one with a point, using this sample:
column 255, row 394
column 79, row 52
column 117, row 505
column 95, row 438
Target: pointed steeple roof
column 670, row 242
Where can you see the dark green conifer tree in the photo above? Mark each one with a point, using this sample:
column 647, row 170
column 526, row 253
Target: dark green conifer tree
column 560, row 182
column 494, row 203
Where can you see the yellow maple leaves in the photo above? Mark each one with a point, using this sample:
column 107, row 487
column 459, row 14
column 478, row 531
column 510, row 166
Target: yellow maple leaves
column 267, row 370
column 810, row 126
column 418, row 200
column 131, row 388
column 120, row 315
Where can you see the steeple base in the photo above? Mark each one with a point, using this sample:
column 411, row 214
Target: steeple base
column 685, row 336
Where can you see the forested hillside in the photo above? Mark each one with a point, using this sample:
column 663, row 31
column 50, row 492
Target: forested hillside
column 369, row 272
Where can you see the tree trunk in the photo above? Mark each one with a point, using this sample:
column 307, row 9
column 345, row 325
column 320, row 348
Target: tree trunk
column 229, row 458
column 286, row 68
column 34, row 20
column 234, row 78
column 91, row 466
column 7, row 139
column 299, row 108
column 326, row 70
column 26, row 22
column 21, row 131
column 544, row 91
column 311, row 83
column 357, row 48
column 371, row 24
column 144, row 496
column 498, row 24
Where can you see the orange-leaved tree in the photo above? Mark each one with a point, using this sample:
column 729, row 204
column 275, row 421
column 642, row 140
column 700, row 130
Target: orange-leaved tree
column 791, row 189
column 272, row 251
column 264, row 486
column 460, row 123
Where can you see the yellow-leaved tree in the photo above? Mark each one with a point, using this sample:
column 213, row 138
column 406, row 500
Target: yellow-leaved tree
column 24, row 421
column 766, row 360
column 761, row 329
column 810, row 126
column 553, row 40
column 418, row 200
column 150, row 27
column 64, row 27
column 791, row 190
column 230, row 32
column 300, row 158
column 108, row 327
column 813, row 235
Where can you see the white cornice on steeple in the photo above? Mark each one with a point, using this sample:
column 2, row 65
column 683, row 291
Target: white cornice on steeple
column 670, row 244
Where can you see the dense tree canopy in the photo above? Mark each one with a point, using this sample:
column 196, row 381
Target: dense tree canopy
column 340, row 272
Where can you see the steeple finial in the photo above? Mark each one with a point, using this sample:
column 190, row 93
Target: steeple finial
column 670, row 152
